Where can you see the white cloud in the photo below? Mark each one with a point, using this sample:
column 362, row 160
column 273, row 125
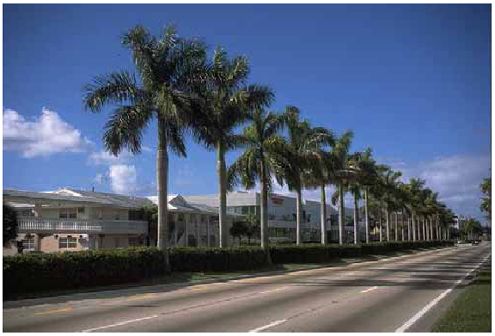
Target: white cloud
column 456, row 179
column 46, row 135
column 106, row 158
column 99, row 178
column 123, row 179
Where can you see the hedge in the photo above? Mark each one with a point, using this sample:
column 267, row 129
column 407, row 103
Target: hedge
column 216, row 259
column 317, row 253
column 27, row 273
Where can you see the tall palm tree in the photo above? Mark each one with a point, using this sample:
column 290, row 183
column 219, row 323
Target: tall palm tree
column 378, row 191
column 414, row 188
column 168, row 69
column 486, row 200
column 304, row 144
column 342, row 174
column 390, row 181
column 318, row 176
column 363, row 174
column 226, row 101
column 366, row 167
column 265, row 155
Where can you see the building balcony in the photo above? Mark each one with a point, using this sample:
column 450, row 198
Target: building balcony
column 81, row 226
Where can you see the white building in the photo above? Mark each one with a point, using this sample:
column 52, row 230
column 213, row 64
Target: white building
column 72, row 220
column 281, row 214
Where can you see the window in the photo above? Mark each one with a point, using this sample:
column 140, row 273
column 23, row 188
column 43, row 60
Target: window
column 136, row 215
column 27, row 213
column 67, row 242
column 68, row 213
column 28, row 243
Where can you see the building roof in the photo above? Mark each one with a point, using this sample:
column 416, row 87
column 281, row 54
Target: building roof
column 67, row 195
column 117, row 200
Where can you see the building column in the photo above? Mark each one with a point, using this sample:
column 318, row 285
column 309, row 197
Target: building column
column 37, row 210
column 208, row 230
column 187, row 218
column 176, row 219
column 197, row 221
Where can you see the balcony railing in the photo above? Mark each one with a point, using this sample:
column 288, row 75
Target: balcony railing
column 89, row 226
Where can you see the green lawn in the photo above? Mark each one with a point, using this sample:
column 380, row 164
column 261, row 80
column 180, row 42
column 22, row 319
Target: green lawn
column 471, row 311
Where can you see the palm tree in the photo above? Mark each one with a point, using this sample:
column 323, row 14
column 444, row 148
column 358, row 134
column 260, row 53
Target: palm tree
column 366, row 167
column 414, row 188
column 359, row 180
column 318, row 177
column 168, row 69
column 226, row 103
column 378, row 192
column 486, row 200
column 304, row 144
column 266, row 154
column 389, row 180
column 339, row 164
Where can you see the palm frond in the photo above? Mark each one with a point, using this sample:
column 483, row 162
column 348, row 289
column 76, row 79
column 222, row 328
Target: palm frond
column 117, row 87
column 125, row 127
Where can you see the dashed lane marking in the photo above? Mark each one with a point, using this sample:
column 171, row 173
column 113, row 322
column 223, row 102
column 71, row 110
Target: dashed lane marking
column 272, row 324
column 369, row 289
column 54, row 311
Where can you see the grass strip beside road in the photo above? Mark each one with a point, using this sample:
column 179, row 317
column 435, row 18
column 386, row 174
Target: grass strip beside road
column 471, row 310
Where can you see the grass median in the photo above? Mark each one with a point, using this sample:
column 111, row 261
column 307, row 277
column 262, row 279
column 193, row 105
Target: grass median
column 471, row 310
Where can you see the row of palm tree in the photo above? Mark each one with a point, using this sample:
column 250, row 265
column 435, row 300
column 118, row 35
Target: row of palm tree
column 186, row 92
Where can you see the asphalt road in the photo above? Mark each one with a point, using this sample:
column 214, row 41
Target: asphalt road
column 404, row 293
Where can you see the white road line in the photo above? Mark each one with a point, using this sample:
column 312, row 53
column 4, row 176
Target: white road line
column 120, row 323
column 369, row 289
column 433, row 302
column 274, row 323
column 274, row 290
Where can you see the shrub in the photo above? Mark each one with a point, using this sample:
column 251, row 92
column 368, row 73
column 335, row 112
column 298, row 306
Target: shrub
column 216, row 259
column 55, row 271
column 38, row 272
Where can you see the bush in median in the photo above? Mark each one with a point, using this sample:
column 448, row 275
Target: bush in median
column 55, row 271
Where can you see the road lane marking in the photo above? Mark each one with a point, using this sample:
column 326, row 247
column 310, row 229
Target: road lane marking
column 139, row 297
column 120, row 323
column 272, row 324
column 274, row 290
column 433, row 302
column 54, row 311
column 369, row 289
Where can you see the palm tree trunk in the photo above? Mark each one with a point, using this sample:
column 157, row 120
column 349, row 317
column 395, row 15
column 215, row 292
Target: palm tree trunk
column 264, row 212
column 431, row 228
column 298, row 215
column 380, row 223
column 341, row 213
column 413, row 225
column 424, row 228
column 396, row 231
column 387, row 213
column 222, row 186
column 323, row 214
column 264, row 208
column 356, row 219
column 366, row 216
column 409, row 229
column 162, row 191
column 437, row 227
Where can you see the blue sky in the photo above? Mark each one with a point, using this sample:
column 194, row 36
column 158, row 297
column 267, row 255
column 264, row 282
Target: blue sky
column 411, row 81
